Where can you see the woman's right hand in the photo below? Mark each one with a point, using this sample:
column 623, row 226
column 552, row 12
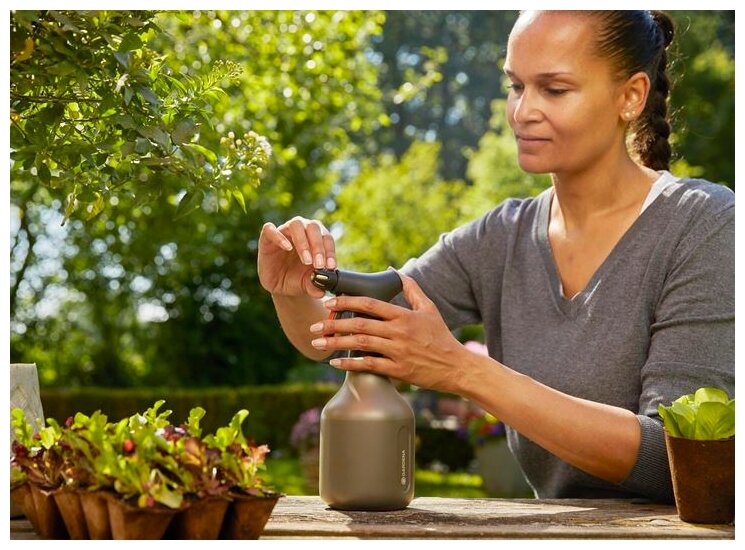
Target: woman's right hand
column 289, row 253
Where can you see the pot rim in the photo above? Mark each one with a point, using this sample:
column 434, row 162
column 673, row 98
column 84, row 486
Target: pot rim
column 668, row 434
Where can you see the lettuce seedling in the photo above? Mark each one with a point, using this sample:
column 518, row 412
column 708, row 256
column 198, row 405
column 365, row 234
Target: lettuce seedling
column 707, row 414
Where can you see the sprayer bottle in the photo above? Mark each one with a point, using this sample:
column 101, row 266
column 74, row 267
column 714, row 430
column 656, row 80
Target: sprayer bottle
column 367, row 428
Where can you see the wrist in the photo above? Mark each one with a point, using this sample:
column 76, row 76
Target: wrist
column 473, row 372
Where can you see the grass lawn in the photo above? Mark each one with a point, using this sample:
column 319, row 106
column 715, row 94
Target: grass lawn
column 285, row 475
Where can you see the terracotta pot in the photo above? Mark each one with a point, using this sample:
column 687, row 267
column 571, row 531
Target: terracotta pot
column 201, row 520
column 247, row 515
column 130, row 522
column 23, row 500
column 96, row 512
column 703, row 474
column 49, row 523
column 68, row 502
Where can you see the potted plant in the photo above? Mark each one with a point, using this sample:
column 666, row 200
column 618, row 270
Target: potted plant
column 75, row 473
column 495, row 464
column 140, row 461
column 238, row 465
column 89, row 436
column 143, row 472
column 306, row 438
column 40, row 460
column 700, row 440
column 205, row 492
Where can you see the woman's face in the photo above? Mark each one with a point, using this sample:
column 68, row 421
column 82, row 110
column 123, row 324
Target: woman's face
column 563, row 106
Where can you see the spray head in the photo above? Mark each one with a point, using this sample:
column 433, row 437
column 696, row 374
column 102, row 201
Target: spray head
column 383, row 285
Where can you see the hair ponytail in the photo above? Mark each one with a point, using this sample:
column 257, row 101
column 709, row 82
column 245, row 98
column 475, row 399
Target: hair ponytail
column 637, row 41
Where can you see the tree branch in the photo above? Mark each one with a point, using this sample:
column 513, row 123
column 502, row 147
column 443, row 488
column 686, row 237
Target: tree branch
column 48, row 98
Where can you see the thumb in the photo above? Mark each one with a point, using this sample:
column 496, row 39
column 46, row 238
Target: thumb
column 413, row 293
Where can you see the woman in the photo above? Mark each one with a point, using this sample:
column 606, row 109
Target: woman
column 609, row 293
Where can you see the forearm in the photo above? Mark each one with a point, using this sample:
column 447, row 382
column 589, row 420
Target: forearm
column 296, row 314
column 599, row 439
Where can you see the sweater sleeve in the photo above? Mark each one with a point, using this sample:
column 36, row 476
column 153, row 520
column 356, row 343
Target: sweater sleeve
column 451, row 272
column 446, row 279
column 692, row 339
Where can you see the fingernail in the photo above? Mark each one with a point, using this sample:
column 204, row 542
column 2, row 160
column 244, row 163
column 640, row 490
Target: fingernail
column 319, row 343
column 319, row 262
column 335, row 362
column 307, row 260
column 331, row 263
column 287, row 245
column 317, row 327
column 330, row 303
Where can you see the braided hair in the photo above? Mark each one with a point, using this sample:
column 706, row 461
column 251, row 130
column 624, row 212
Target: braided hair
column 635, row 41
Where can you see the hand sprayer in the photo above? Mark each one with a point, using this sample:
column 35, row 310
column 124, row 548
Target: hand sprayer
column 367, row 428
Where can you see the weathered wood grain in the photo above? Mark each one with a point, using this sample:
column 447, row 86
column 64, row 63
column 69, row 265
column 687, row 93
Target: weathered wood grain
column 443, row 518
column 429, row 517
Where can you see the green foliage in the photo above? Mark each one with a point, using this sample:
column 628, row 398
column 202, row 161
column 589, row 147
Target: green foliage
column 307, row 85
column 137, row 298
column 38, row 456
column 96, row 113
column 239, row 463
column 393, row 210
column 707, row 414
column 458, row 52
column 22, row 430
column 703, row 95
column 143, row 458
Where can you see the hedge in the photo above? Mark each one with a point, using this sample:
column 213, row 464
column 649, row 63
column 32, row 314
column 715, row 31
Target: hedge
column 273, row 410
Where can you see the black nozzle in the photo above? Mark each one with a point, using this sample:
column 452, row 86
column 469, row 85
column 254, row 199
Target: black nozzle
column 383, row 285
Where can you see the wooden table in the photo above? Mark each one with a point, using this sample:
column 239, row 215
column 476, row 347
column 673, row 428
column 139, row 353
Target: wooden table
column 466, row 518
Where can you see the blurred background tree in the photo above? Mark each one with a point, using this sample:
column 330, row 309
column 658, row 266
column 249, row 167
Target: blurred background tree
column 148, row 132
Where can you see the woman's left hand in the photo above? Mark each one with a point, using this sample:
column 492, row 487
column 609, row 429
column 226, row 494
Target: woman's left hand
column 416, row 345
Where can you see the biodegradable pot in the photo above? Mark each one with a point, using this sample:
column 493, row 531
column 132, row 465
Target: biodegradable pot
column 202, row 519
column 49, row 522
column 703, row 475
column 247, row 515
column 23, row 500
column 68, row 502
column 130, row 522
column 96, row 513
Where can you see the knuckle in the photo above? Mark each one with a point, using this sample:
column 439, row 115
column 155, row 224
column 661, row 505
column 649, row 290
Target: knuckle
column 358, row 324
column 315, row 227
column 368, row 304
column 362, row 341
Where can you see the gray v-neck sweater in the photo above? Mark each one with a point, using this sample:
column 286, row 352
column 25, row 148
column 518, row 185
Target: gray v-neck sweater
column 655, row 321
